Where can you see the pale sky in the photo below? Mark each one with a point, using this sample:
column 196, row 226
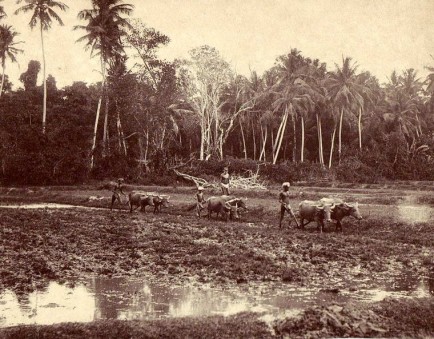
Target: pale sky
column 381, row 35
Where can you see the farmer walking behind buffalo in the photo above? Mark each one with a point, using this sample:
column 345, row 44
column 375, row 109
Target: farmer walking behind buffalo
column 117, row 191
column 284, row 204
column 225, row 180
column 200, row 200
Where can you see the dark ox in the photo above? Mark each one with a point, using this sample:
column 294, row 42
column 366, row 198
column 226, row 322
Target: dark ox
column 157, row 201
column 139, row 199
column 160, row 201
column 342, row 210
column 314, row 211
column 226, row 206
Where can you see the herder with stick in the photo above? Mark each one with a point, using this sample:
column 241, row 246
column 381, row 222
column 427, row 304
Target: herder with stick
column 284, row 204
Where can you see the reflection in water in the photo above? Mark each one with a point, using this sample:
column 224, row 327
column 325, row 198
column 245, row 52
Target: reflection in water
column 54, row 305
column 119, row 298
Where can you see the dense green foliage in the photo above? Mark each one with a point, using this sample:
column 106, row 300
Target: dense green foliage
column 299, row 120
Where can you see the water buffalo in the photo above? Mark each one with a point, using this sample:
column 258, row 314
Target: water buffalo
column 160, row 201
column 139, row 199
column 342, row 210
column 314, row 211
column 228, row 208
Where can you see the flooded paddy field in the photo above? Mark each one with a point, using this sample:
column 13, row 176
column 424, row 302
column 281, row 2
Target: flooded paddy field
column 67, row 258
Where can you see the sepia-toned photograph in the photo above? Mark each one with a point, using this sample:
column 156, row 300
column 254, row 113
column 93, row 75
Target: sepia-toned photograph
column 216, row 169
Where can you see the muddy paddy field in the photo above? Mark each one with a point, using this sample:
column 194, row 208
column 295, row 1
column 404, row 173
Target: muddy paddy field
column 70, row 267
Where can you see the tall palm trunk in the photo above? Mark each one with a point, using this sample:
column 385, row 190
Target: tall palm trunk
column 264, row 141
column 341, row 118
column 332, row 147
column 320, row 146
column 105, row 135
column 3, row 79
column 44, row 105
column 294, row 130
column 121, row 140
column 279, row 137
column 360, row 128
column 95, row 130
column 254, row 140
column 243, row 139
column 302, row 140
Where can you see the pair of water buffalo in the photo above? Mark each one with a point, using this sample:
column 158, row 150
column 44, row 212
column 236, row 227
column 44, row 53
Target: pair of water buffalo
column 140, row 199
column 226, row 205
column 327, row 209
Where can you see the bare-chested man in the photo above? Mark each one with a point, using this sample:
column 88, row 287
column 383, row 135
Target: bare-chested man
column 117, row 191
column 200, row 200
column 284, row 204
column 225, row 181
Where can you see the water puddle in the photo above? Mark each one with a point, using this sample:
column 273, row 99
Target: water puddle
column 415, row 213
column 120, row 298
column 48, row 206
column 403, row 212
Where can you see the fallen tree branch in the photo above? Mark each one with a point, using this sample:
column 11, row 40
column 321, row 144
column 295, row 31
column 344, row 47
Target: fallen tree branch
column 196, row 180
column 239, row 182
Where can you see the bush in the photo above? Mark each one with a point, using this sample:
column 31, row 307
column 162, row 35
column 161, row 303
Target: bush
column 159, row 180
column 351, row 169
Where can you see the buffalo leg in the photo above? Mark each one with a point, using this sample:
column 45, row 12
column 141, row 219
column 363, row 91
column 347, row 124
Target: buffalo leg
column 302, row 224
column 320, row 224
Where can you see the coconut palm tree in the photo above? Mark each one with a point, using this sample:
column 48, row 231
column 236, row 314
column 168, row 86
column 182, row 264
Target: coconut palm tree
column 104, row 30
column 295, row 94
column 430, row 80
column 296, row 99
column 315, row 76
column 7, row 49
column 2, row 11
column 411, row 86
column 43, row 12
column 345, row 93
column 370, row 88
column 401, row 108
column 252, row 88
